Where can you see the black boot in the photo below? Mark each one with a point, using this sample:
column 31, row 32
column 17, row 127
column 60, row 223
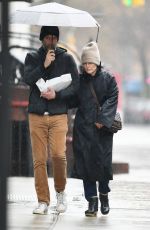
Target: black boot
column 104, row 204
column 93, row 207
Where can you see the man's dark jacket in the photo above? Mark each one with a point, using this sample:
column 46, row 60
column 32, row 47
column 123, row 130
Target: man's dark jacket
column 34, row 70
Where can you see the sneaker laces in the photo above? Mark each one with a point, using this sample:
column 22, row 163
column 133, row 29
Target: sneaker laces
column 60, row 197
column 41, row 204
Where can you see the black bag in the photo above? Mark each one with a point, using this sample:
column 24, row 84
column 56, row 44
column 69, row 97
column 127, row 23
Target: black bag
column 117, row 123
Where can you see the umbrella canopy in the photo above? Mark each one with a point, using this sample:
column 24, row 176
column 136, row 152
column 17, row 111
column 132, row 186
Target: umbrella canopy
column 53, row 14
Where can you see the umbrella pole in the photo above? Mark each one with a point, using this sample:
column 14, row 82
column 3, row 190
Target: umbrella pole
column 97, row 33
column 53, row 48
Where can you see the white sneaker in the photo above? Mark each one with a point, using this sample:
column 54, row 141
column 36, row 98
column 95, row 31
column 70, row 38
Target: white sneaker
column 61, row 205
column 41, row 209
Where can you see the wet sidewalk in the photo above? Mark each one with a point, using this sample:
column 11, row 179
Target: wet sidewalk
column 129, row 202
column 129, row 197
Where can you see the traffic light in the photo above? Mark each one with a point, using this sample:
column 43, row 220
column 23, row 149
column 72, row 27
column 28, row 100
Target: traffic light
column 127, row 2
column 135, row 3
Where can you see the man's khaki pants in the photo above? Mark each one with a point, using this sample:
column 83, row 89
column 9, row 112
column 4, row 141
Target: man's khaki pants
column 49, row 131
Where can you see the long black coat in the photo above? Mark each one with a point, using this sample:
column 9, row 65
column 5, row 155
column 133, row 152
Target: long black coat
column 92, row 146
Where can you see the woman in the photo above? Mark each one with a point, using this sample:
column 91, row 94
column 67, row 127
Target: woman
column 92, row 142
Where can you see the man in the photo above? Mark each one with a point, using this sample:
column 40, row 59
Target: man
column 48, row 115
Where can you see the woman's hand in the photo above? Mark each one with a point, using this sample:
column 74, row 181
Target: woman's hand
column 99, row 125
column 49, row 94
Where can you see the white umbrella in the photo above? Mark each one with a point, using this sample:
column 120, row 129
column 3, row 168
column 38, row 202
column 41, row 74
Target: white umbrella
column 54, row 14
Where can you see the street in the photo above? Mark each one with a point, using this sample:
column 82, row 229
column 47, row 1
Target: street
column 129, row 197
column 120, row 30
column 132, row 145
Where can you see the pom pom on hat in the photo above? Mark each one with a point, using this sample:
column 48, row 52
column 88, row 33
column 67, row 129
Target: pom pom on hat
column 90, row 53
column 49, row 30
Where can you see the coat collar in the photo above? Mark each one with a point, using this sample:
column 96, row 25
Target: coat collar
column 89, row 77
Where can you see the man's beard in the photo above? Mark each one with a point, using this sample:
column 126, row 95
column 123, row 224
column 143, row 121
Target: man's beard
column 50, row 47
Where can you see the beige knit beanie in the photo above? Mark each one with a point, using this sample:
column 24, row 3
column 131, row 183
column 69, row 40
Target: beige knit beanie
column 90, row 53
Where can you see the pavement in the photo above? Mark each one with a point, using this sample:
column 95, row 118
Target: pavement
column 129, row 202
column 129, row 197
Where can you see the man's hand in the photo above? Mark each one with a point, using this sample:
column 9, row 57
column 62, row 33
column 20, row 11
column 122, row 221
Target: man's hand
column 50, row 56
column 99, row 125
column 49, row 94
